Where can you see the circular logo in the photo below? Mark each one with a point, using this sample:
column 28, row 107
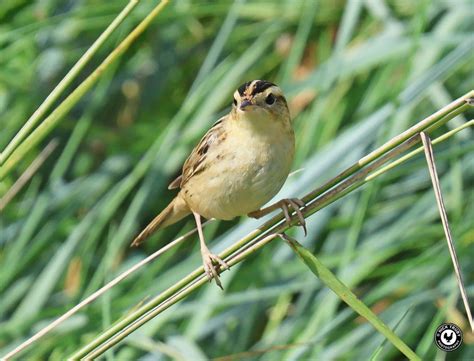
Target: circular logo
column 448, row 337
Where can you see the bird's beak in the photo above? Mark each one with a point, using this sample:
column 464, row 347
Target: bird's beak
column 245, row 103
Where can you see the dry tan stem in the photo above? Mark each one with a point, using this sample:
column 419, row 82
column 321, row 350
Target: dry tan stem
column 444, row 219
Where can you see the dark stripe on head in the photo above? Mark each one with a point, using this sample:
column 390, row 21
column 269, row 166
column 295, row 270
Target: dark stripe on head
column 260, row 86
column 243, row 87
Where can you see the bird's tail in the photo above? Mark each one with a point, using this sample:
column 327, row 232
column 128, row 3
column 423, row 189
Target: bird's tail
column 174, row 212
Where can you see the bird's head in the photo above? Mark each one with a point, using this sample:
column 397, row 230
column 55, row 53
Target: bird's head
column 259, row 98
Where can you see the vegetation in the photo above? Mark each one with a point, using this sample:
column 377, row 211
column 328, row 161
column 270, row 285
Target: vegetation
column 356, row 74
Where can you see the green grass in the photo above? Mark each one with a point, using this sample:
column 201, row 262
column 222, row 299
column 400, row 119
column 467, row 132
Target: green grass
column 356, row 75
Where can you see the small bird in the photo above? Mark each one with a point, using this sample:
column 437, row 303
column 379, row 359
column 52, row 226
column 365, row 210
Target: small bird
column 237, row 167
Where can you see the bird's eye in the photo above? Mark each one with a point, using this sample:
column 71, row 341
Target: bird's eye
column 270, row 99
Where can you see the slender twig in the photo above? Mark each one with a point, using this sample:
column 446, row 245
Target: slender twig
column 460, row 103
column 27, row 174
column 169, row 302
column 444, row 219
column 64, row 83
column 419, row 150
column 57, row 114
column 98, row 293
column 362, row 176
column 258, row 352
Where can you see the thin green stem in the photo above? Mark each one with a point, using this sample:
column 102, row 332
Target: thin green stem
column 202, row 279
column 95, row 295
column 65, row 82
column 417, row 128
column 419, row 150
column 316, row 201
column 27, row 174
column 53, row 119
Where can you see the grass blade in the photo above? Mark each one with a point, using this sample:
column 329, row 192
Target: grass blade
column 52, row 120
column 27, row 174
column 94, row 296
column 330, row 280
column 63, row 84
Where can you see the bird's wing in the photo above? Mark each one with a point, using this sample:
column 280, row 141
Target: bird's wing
column 196, row 161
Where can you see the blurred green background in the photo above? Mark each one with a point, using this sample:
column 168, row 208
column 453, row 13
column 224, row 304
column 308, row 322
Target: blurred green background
column 356, row 73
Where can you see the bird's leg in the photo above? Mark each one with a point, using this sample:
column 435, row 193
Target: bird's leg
column 208, row 258
column 284, row 204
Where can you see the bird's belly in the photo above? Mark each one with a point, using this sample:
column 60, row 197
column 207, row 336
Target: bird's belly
column 240, row 181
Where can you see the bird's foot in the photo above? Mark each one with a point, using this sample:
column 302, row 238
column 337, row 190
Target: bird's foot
column 210, row 261
column 285, row 204
column 296, row 204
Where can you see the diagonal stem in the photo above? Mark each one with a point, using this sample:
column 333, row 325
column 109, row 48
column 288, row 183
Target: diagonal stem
column 460, row 103
column 96, row 294
column 64, row 83
column 93, row 352
column 345, row 294
column 444, row 219
column 27, row 174
column 58, row 113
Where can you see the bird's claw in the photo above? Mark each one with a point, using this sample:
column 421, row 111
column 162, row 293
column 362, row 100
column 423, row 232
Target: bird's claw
column 209, row 260
column 284, row 204
column 295, row 203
